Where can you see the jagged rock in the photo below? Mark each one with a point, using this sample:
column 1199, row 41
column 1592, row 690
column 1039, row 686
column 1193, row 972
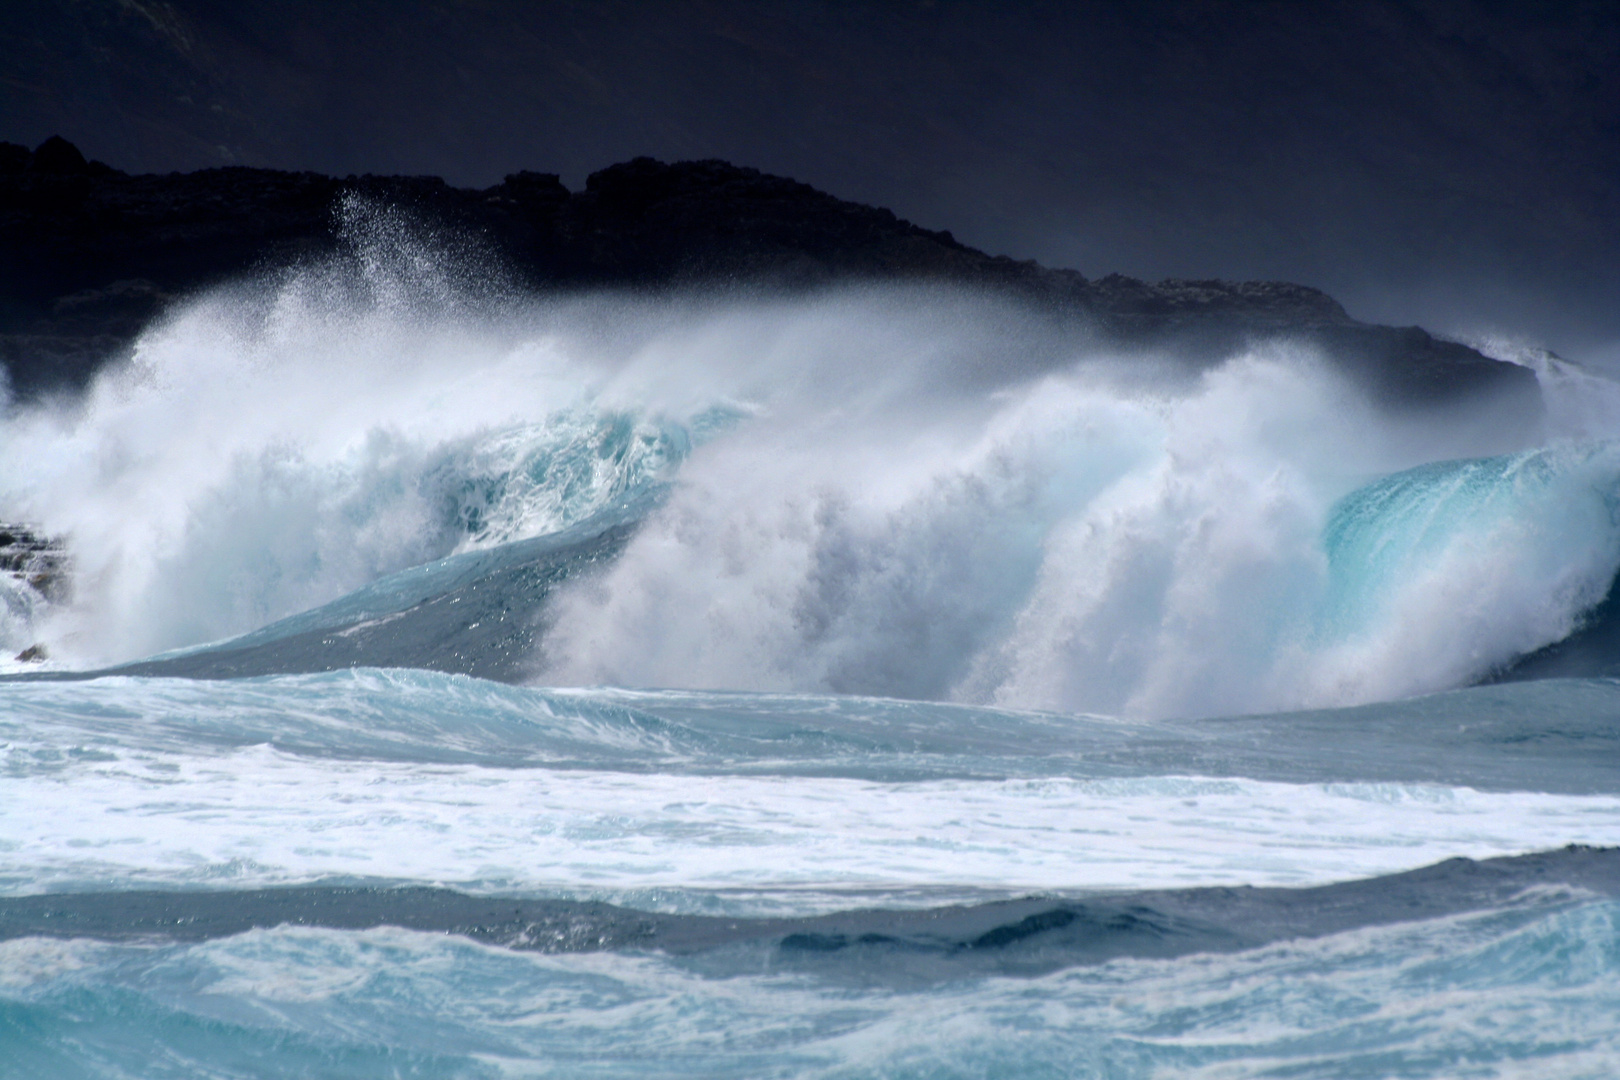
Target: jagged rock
column 39, row 562
column 34, row 654
column 88, row 254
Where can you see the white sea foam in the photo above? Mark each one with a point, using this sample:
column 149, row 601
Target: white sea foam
column 258, row 816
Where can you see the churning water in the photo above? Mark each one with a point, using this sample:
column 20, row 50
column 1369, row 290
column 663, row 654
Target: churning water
column 889, row 606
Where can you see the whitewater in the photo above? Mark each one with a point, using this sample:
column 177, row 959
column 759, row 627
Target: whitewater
column 882, row 681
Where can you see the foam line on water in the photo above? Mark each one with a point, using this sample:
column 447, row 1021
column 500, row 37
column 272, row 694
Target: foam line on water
column 260, row 816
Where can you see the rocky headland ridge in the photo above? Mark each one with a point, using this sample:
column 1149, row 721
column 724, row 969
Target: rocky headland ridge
column 89, row 254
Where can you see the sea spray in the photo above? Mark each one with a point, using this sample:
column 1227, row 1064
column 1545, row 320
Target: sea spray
column 1082, row 545
column 914, row 492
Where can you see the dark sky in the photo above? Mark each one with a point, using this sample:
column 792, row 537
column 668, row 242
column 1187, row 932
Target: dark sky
column 1449, row 162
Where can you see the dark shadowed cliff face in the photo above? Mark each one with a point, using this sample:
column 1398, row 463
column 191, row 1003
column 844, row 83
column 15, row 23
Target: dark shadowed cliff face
column 89, row 255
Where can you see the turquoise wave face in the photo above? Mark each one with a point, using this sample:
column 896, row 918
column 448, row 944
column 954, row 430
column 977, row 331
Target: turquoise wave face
column 1530, row 541
column 537, row 481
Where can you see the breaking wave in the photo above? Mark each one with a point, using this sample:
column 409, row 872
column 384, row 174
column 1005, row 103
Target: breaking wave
column 913, row 493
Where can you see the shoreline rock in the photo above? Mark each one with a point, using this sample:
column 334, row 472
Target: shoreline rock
column 39, row 562
column 89, row 255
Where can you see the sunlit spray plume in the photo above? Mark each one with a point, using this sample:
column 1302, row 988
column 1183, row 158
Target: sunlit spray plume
column 912, row 492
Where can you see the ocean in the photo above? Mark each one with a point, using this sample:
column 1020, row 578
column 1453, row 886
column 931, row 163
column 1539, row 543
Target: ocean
column 433, row 680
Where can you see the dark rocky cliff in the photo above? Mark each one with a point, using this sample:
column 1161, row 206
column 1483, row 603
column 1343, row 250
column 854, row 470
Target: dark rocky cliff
column 88, row 254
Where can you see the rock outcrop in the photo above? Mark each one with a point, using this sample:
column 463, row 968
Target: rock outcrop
column 38, row 562
column 89, row 254
column 34, row 572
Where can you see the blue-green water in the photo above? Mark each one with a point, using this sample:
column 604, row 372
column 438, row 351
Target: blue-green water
column 842, row 687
